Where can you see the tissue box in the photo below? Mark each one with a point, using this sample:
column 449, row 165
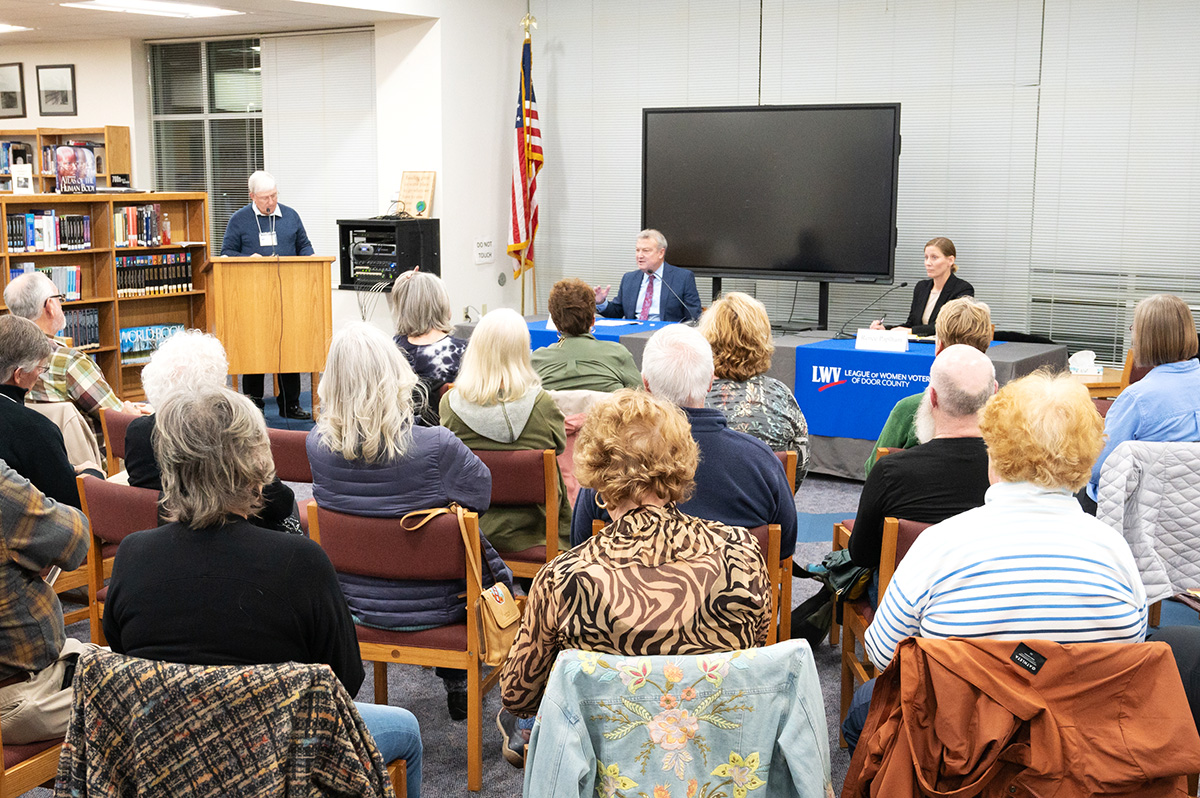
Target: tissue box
column 1094, row 370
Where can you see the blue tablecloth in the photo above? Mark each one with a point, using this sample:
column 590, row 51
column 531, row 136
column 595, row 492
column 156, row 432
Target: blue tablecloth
column 539, row 336
column 848, row 393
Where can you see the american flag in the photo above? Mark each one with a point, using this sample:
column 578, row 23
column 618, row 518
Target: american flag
column 527, row 162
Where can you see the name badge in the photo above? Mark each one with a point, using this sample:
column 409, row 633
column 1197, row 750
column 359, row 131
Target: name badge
column 267, row 239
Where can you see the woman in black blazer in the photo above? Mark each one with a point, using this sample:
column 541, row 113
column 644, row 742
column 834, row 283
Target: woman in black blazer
column 940, row 266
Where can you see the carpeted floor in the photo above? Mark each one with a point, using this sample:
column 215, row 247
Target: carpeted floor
column 820, row 500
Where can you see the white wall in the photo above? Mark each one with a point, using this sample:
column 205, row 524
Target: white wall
column 108, row 75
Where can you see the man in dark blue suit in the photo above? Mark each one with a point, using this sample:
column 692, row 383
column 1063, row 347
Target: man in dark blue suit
column 655, row 290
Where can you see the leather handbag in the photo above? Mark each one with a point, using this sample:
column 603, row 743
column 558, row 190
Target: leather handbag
column 498, row 613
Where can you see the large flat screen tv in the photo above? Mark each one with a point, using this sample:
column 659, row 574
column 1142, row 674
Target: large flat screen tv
column 801, row 192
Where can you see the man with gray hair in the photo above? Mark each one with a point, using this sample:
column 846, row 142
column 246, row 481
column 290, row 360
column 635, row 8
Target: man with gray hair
column 655, row 290
column 29, row 442
column 943, row 477
column 70, row 375
column 264, row 227
column 739, row 481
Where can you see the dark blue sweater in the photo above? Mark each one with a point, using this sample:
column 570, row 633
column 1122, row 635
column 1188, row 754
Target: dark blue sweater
column 241, row 234
column 437, row 469
column 739, row 482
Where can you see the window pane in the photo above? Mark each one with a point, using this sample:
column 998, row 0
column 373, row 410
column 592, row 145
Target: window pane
column 237, row 151
column 235, row 80
column 179, row 155
column 178, row 87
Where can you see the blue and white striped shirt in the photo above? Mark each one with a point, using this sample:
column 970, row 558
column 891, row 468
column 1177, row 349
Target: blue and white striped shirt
column 1029, row 564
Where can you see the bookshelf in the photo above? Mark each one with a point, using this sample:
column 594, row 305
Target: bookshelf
column 111, row 144
column 94, row 263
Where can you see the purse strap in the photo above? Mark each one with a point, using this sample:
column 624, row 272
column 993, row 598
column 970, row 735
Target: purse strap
column 423, row 517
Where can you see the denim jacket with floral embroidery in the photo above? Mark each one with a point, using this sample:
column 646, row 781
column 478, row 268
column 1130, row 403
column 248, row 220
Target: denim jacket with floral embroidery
column 737, row 724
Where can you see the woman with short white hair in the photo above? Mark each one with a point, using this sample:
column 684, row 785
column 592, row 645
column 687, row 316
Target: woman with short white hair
column 498, row 404
column 188, row 361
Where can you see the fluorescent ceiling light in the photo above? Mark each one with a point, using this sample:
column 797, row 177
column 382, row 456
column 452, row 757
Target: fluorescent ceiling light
column 155, row 8
column 11, row 28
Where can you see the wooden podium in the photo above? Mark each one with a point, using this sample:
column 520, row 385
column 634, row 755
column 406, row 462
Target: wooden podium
column 274, row 315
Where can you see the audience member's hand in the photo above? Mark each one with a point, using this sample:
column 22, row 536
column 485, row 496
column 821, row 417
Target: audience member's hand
column 137, row 408
column 601, row 294
column 877, row 325
column 905, row 330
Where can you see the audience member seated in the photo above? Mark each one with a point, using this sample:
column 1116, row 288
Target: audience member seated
column 186, row 362
column 739, row 331
column 1027, row 564
column 1185, row 647
column 965, row 320
column 739, row 481
column 941, row 478
column 1165, row 404
column 421, row 310
column 368, row 459
column 70, row 376
column 498, row 405
column 685, row 585
column 29, row 442
column 37, row 655
column 578, row 361
column 210, row 588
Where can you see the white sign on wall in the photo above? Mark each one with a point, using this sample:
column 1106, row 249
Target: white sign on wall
column 485, row 252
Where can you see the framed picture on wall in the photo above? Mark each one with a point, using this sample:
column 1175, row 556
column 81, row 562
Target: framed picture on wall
column 12, row 91
column 56, row 90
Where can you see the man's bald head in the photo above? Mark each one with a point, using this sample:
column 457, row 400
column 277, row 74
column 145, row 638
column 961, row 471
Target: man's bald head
column 961, row 381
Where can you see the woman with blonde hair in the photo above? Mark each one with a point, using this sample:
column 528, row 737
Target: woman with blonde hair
column 1164, row 405
column 368, row 459
column 420, row 309
column 739, row 332
column 498, row 404
column 654, row 581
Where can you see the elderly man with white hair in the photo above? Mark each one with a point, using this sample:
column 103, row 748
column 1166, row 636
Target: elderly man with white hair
column 942, row 477
column 70, row 375
column 267, row 228
column 739, row 481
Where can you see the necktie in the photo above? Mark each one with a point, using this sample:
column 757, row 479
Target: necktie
column 645, row 314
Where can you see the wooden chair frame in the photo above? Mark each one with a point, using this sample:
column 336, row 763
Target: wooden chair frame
column 97, row 567
column 114, row 450
column 380, row 654
column 528, row 568
column 29, row 773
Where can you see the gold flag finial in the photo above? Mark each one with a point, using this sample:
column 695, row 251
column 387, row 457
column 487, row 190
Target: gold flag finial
column 528, row 21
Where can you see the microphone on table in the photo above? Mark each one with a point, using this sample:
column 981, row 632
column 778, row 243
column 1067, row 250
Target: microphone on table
column 873, row 303
column 690, row 320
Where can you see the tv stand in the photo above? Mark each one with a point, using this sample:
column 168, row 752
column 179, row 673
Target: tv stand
column 789, row 326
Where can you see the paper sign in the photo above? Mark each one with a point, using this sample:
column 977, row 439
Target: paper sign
column 485, row 252
column 881, row 340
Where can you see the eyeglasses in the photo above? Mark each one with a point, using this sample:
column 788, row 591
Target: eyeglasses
column 59, row 297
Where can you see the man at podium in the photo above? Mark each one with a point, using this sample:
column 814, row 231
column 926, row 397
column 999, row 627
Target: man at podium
column 264, row 227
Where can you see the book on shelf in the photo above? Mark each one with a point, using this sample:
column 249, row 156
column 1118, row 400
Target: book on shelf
column 67, row 279
column 22, row 178
column 139, row 343
column 138, row 226
column 161, row 273
column 48, row 231
column 82, row 326
column 14, row 152
column 74, row 167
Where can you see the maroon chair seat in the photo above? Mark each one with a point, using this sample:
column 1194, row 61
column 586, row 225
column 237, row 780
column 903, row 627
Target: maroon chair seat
column 534, row 554
column 453, row 636
column 291, row 456
column 16, row 754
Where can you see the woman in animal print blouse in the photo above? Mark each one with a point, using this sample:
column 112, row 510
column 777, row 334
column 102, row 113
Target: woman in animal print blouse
column 655, row 581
